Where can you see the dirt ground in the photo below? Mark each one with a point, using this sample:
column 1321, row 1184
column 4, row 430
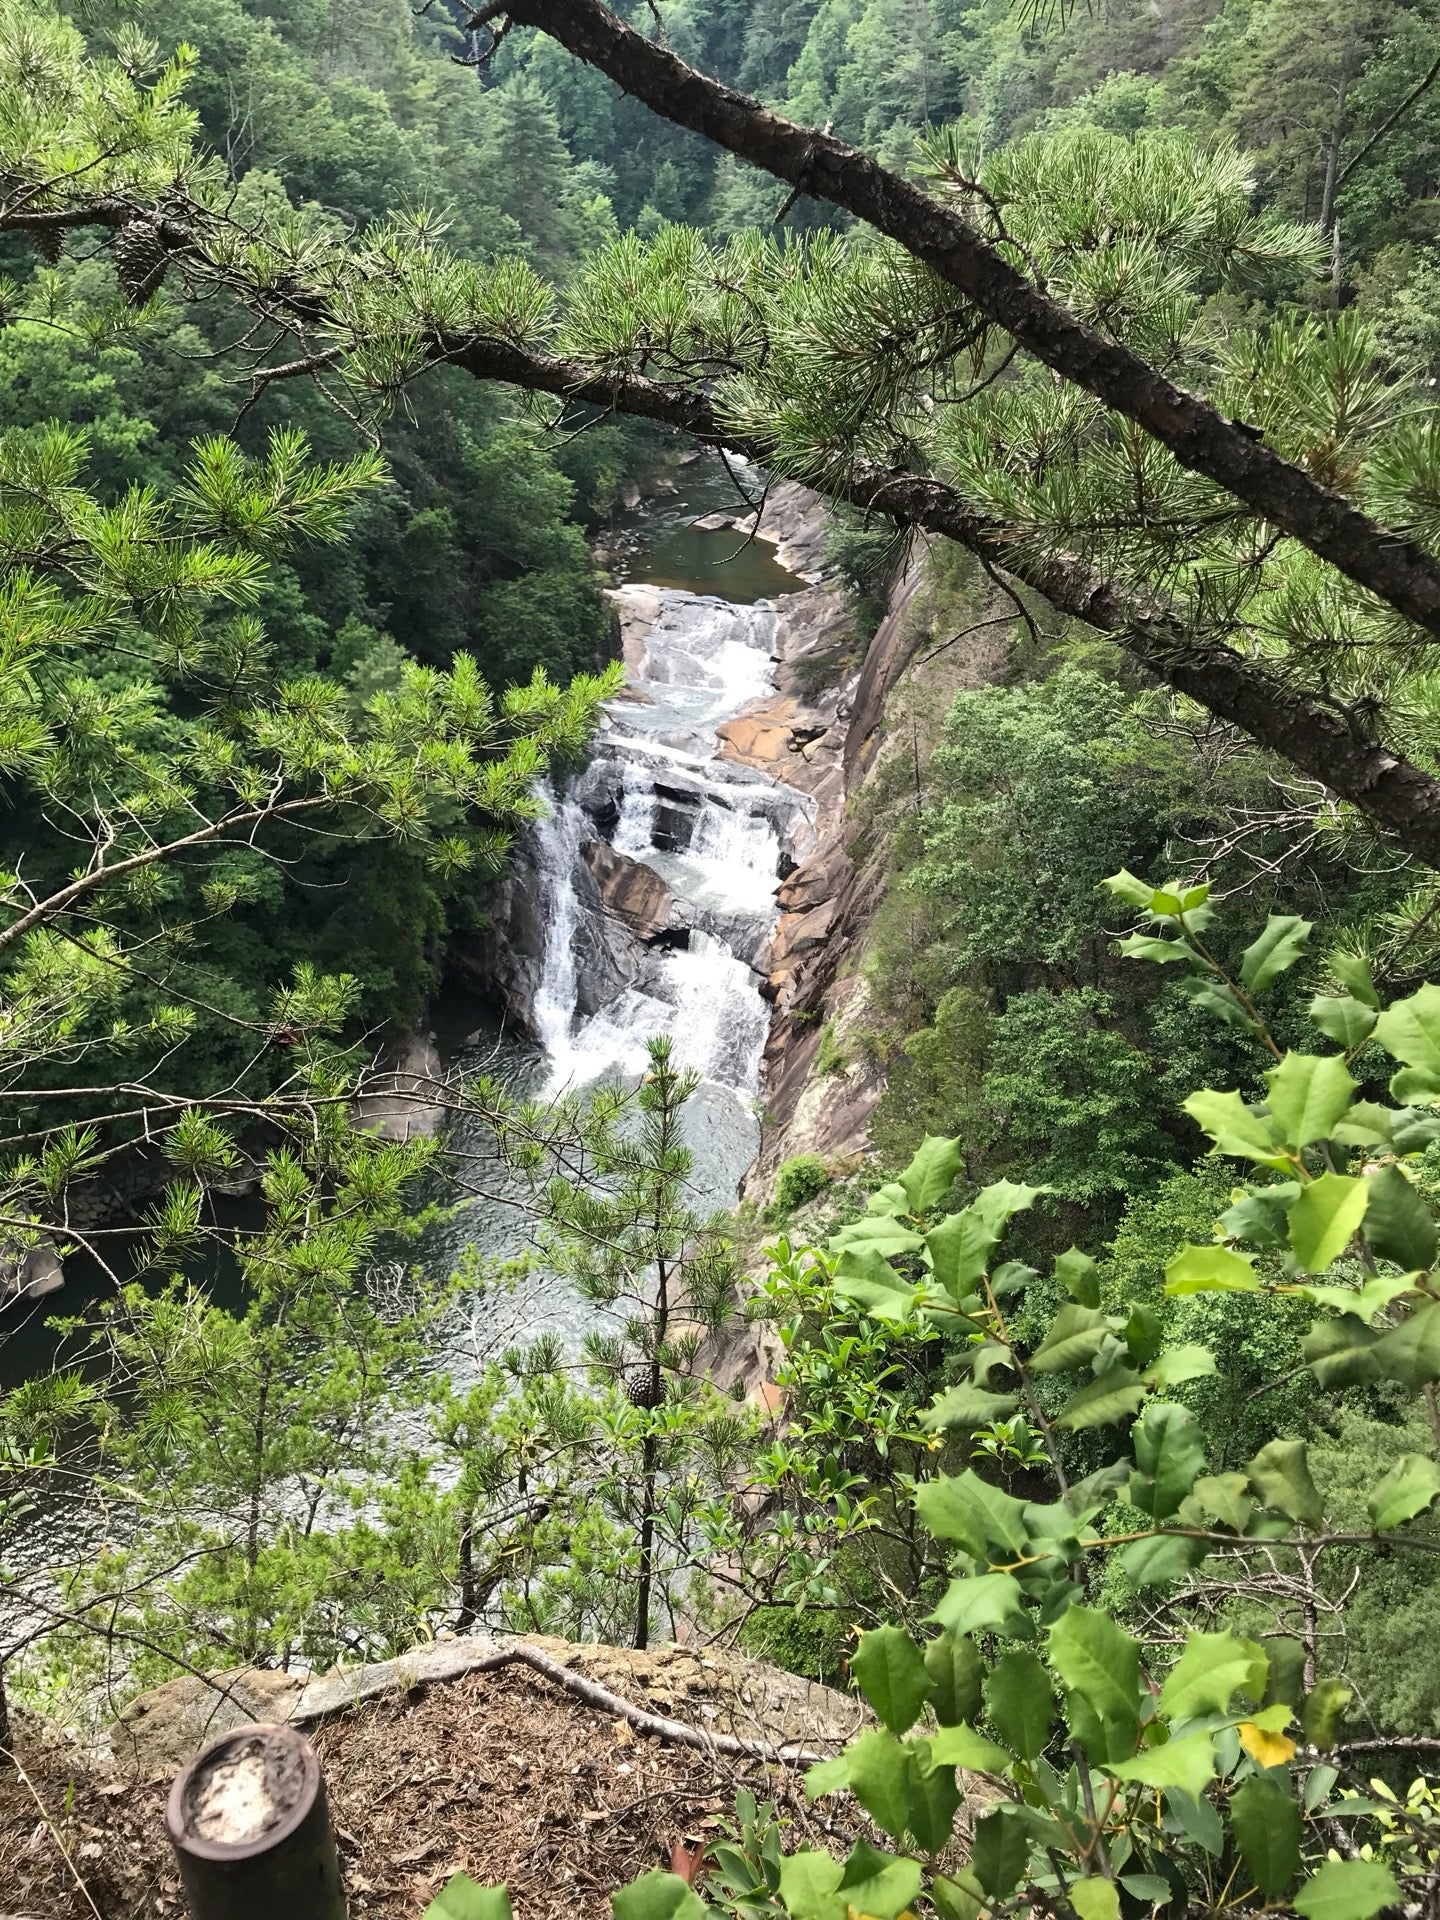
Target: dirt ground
column 498, row 1775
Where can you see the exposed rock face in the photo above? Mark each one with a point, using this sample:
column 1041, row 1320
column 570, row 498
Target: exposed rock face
column 401, row 1092
column 630, row 890
column 30, row 1272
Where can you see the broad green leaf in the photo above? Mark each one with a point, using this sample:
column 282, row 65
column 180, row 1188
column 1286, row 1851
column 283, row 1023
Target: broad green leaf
column 1095, row 1898
column 1144, row 946
column 878, row 1774
column 1278, row 947
column 1410, row 1029
column 953, row 1664
column 970, row 1511
column 1160, row 1559
column 1235, row 1128
column 1079, row 1276
column 1169, row 1455
column 1362, row 1302
column 1187, row 1763
column 1197, row 1819
column 1398, row 1224
column 1019, row 1703
column 891, row 1198
column 1352, row 970
column 462, row 1898
column 1073, row 1339
column 1211, row 1670
column 1368, row 1124
column 1133, row 891
column 933, row 1799
column 968, row 1406
column 1261, row 1216
column 1407, row 1489
column 1342, row 1018
column 1098, row 1665
column 1109, row 1397
column 658, row 1896
column 865, row 1276
column 1280, row 1474
column 1324, row 1219
column 1412, row 1129
column 1341, row 1353
column 876, row 1233
column 931, row 1174
column 1410, row 1353
column 888, row 1669
column 878, row 1885
column 1324, row 1709
column 1226, row 1497
column 1308, row 1094
column 1416, row 1086
column 985, row 1603
column 1285, row 1684
column 1000, row 1852
column 1347, row 1890
column 1210, row 1270
column 1179, row 1364
column 1222, row 1001
column 959, row 1898
column 1143, row 1334
column 808, row 1882
column 1267, row 1825
column 962, row 1746
column 960, row 1249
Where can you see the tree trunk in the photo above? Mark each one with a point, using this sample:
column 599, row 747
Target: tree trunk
column 645, row 1584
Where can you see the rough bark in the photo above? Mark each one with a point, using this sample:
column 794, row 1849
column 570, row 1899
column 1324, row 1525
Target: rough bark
column 1321, row 741
column 1398, row 570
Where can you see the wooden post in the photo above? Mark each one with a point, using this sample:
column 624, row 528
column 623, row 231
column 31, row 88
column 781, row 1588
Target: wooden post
column 251, row 1830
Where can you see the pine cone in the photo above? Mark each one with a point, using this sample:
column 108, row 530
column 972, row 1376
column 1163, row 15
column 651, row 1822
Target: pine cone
column 140, row 260
column 637, row 1391
column 49, row 243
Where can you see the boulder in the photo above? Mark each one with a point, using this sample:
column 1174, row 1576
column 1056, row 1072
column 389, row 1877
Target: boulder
column 629, row 889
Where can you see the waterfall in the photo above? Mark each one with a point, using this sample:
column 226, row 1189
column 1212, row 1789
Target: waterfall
column 712, row 830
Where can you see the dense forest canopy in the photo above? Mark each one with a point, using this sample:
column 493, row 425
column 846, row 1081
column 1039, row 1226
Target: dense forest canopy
column 329, row 337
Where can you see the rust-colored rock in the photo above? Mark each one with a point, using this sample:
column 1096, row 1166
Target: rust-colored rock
column 633, row 892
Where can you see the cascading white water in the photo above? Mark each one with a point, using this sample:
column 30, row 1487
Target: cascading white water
column 713, row 832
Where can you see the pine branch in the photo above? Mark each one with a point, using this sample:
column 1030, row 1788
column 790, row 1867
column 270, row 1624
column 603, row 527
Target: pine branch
column 1317, row 739
column 1201, row 438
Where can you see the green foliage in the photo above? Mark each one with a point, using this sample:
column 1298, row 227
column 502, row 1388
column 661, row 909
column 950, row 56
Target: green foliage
column 799, row 1180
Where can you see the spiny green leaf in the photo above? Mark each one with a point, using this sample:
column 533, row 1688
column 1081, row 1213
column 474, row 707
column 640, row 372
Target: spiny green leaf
column 1323, row 1710
column 1278, row 947
column 1000, row 1852
column 1280, row 1474
column 1343, row 1019
column 1019, row 1703
column 1179, row 1364
column 1268, row 1826
column 1211, row 1670
column 888, row 1669
column 1410, row 1353
column 969, row 1407
column 1187, row 1763
column 1324, row 1219
column 931, row 1173
column 654, row 1896
column 953, row 1663
column 1407, row 1489
column 1098, row 1664
column 1169, row 1454
column 1110, row 1396
column 1398, row 1224
column 1073, row 1339
column 1235, row 1128
column 1308, row 1094
column 877, row 1884
column 1095, row 1898
column 462, row 1898
column 1410, row 1029
column 1079, row 1276
column 1347, row 1890
column 985, row 1603
column 1210, row 1270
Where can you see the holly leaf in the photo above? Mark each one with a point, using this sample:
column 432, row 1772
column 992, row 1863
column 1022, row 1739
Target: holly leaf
column 1073, row 1339
column 1267, row 1826
column 985, row 1603
column 1410, row 1353
column 1407, row 1489
column 1398, row 1224
column 808, row 1883
column 1226, row 1497
column 1144, row 946
column 968, row 1406
column 1410, row 1029
column 1210, row 1270
column 878, row 1774
column 1019, row 1703
column 1267, row 1745
column 1341, row 1353
column 1323, row 1710
column 1098, row 1664
column 1280, row 1474
column 1095, row 1898
column 1179, row 1364
column 888, row 1669
column 1343, row 1019
column 1211, row 1670
column 1347, row 1890
column 1325, row 1218
column 931, row 1174
column 952, row 1662
column 1235, row 1128
column 1262, row 1215
column 878, row 1885
column 1000, row 1852
column 1169, row 1454
column 1109, row 1397
column 1278, row 947
column 1187, row 1762
column 657, row 1896
column 1079, row 1276
column 462, row 1898
column 1308, row 1094
column 962, row 1746
column 970, row 1511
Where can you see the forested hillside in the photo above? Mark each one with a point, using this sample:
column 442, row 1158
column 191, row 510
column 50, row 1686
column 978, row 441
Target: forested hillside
column 1076, row 1399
